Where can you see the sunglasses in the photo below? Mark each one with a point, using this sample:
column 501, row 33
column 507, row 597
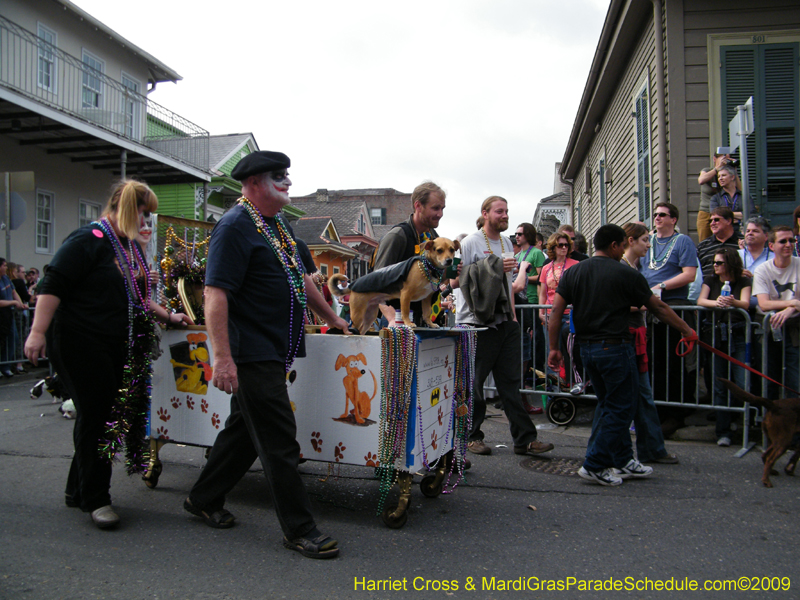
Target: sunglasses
column 715, row 220
column 663, row 215
column 563, row 245
column 519, row 233
column 785, row 241
column 718, row 263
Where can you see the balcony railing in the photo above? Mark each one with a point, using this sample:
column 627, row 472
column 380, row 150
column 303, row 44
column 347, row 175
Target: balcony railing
column 35, row 68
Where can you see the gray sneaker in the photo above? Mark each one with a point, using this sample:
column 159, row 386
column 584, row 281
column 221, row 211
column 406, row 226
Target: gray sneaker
column 604, row 477
column 724, row 441
column 633, row 469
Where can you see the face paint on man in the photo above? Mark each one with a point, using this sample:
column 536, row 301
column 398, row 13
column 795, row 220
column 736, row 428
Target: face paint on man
column 277, row 185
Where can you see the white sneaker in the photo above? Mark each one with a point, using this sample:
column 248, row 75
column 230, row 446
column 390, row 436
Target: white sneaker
column 604, row 477
column 633, row 469
column 724, row 441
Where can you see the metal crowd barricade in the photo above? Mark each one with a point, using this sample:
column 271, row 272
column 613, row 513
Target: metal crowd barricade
column 11, row 347
column 554, row 387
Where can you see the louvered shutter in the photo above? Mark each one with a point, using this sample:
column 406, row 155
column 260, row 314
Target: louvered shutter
column 768, row 73
column 643, row 156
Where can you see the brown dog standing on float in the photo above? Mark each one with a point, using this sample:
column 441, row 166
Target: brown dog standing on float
column 415, row 279
column 780, row 423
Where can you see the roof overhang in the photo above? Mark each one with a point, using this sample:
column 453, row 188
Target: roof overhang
column 159, row 72
column 624, row 26
column 55, row 132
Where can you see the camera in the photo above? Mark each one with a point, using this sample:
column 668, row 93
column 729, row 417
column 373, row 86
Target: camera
column 721, row 150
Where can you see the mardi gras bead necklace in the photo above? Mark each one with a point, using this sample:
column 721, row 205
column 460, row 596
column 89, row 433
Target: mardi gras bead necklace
column 398, row 359
column 127, row 424
column 657, row 264
column 433, row 274
column 285, row 249
column 283, row 245
column 486, row 237
column 466, row 345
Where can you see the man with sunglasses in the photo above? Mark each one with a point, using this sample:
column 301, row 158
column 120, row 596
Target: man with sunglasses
column 776, row 283
column 723, row 236
column 669, row 267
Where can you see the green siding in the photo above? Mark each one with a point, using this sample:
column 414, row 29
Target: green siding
column 156, row 128
column 231, row 162
column 176, row 200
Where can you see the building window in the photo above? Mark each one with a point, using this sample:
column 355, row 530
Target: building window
column 47, row 59
column 323, row 269
column 44, row 221
column 362, row 225
column 130, row 107
column 601, row 184
column 92, row 81
column 377, row 216
column 88, row 212
column 335, row 270
column 642, row 113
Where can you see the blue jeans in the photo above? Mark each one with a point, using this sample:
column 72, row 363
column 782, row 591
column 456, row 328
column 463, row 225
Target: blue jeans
column 615, row 377
column 782, row 363
column 726, row 369
column 649, row 437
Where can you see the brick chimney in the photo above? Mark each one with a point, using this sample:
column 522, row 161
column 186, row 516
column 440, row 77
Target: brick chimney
column 322, row 195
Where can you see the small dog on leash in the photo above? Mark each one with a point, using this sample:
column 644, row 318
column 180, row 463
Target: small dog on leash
column 781, row 423
column 415, row 279
column 59, row 393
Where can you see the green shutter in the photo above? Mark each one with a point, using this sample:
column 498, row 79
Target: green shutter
column 768, row 73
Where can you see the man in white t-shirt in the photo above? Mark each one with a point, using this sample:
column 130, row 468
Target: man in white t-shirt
column 776, row 283
column 498, row 352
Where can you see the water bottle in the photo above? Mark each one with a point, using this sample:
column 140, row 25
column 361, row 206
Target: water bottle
column 726, row 289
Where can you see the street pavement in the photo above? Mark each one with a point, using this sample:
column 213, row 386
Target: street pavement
column 509, row 524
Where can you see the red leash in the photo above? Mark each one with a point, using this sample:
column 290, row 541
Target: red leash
column 689, row 341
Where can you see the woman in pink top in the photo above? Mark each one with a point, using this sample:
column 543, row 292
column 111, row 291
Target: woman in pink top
column 559, row 247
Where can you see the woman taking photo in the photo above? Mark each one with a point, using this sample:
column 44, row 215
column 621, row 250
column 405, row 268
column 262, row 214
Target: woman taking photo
column 649, row 437
column 96, row 294
column 726, row 329
column 730, row 195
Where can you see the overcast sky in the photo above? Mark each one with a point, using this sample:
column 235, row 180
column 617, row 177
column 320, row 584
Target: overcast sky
column 478, row 96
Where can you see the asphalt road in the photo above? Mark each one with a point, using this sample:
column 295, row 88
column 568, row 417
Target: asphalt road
column 708, row 519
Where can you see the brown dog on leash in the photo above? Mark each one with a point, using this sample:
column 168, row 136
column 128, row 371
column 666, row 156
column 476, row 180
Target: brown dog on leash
column 415, row 279
column 780, row 423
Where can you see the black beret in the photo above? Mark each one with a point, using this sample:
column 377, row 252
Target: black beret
column 262, row 161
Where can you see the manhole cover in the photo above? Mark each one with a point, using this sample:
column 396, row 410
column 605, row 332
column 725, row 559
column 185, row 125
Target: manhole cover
column 553, row 466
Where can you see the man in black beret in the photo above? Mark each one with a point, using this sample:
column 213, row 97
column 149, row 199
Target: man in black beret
column 256, row 282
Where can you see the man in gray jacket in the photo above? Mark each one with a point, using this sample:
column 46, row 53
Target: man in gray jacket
column 486, row 255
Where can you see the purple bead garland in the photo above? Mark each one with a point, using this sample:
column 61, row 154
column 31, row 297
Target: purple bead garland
column 127, row 424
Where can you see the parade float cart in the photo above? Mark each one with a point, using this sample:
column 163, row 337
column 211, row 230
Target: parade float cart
column 399, row 402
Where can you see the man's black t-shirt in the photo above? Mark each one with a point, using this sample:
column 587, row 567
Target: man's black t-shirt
column 262, row 309
column 602, row 291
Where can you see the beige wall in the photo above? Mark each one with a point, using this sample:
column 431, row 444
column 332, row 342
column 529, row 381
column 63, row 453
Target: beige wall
column 70, row 182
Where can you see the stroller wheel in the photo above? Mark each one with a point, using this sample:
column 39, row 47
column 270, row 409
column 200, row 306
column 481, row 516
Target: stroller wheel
column 561, row 411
